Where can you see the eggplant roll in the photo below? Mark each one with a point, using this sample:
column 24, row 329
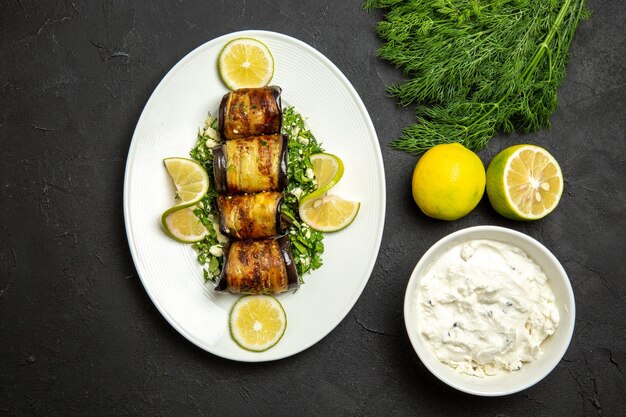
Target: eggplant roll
column 251, row 216
column 250, row 112
column 251, row 165
column 259, row 267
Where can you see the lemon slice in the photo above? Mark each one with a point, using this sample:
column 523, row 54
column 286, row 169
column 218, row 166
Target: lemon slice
column 524, row 182
column 257, row 322
column 181, row 224
column 245, row 62
column 190, row 178
column 328, row 213
column 328, row 170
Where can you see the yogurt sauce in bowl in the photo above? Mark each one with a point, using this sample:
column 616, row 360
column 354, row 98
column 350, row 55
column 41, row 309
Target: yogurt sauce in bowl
column 471, row 272
column 484, row 307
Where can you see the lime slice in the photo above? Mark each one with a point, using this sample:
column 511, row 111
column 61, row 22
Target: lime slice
column 190, row 178
column 245, row 62
column 328, row 170
column 181, row 224
column 328, row 213
column 257, row 322
column 524, row 182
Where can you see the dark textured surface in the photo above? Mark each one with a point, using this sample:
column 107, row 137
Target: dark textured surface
column 79, row 335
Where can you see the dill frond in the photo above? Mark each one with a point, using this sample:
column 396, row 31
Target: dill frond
column 476, row 68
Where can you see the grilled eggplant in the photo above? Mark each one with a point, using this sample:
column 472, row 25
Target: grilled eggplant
column 259, row 267
column 251, row 165
column 251, row 216
column 250, row 112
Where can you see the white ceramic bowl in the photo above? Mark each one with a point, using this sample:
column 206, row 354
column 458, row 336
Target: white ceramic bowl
column 553, row 347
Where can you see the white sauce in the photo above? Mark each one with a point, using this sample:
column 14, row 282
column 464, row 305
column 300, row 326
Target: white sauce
column 484, row 307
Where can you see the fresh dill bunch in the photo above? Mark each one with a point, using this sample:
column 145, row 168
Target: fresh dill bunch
column 475, row 67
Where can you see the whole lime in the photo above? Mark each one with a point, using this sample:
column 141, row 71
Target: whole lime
column 448, row 181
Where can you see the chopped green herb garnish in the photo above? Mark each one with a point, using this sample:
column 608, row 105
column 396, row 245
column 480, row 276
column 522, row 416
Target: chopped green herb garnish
column 307, row 245
column 302, row 144
column 211, row 246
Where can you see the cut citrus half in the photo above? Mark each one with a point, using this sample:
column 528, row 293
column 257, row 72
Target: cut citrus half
column 257, row 322
column 183, row 225
column 328, row 213
column 524, row 182
column 328, row 170
column 190, row 178
column 245, row 62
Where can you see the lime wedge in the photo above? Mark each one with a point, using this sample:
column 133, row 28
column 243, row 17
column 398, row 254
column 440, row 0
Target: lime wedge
column 328, row 170
column 183, row 225
column 328, row 213
column 190, row 178
column 257, row 322
column 524, row 182
column 245, row 62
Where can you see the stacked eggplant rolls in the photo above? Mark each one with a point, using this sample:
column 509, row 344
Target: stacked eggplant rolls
column 250, row 171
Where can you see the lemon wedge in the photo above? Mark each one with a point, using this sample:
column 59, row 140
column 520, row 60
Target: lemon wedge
column 190, row 179
column 183, row 225
column 328, row 170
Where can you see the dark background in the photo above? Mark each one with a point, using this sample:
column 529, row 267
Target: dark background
column 78, row 333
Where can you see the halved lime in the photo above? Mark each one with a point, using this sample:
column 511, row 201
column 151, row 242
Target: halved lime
column 524, row 182
column 328, row 213
column 183, row 225
column 245, row 62
column 190, row 179
column 257, row 322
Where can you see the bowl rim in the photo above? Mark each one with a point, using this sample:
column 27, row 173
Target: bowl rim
column 415, row 337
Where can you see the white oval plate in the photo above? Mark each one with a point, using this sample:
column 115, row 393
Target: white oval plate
column 168, row 127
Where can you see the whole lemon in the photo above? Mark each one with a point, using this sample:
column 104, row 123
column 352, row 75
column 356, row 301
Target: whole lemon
column 448, row 181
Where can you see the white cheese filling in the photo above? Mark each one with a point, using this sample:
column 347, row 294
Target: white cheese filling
column 485, row 307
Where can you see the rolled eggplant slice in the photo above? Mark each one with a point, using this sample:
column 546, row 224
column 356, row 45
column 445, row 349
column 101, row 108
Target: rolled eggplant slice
column 250, row 112
column 259, row 267
column 251, row 165
column 251, row 216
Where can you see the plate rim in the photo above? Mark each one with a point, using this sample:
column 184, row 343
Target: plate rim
column 381, row 184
